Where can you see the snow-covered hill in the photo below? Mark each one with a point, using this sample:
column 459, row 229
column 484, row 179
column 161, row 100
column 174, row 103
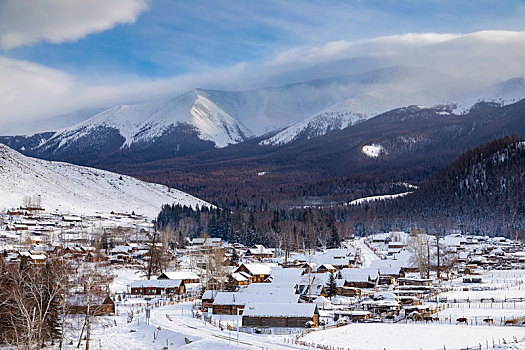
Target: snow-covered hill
column 81, row 190
column 143, row 123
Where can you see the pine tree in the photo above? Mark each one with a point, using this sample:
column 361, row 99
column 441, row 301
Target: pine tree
column 231, row 284
column 234, row 258
column 331, row 286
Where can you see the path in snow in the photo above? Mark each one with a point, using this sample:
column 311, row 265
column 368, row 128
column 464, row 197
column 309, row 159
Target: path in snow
column 367, row 255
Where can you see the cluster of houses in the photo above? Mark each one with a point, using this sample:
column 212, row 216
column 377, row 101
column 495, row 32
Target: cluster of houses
column 264, row 286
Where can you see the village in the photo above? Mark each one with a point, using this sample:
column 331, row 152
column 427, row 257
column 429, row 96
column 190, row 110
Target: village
column 273, row 297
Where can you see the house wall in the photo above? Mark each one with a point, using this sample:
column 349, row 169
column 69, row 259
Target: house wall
column 227, row 309
column 278, row 322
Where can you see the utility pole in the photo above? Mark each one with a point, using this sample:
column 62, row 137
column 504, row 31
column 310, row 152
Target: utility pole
column 237, row 326
column 309, row 275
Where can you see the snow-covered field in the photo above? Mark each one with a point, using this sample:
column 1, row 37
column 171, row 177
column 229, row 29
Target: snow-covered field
column 412, row 336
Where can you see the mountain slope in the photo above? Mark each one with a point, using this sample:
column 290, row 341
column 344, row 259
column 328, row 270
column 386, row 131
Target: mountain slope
column 81, row 190
column 314, row 126
column 203, row 119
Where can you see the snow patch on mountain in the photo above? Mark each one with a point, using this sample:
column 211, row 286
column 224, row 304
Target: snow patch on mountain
column 81, row 190
column 373, row 150
column 378, row 198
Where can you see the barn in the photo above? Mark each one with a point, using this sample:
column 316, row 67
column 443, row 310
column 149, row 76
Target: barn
column 278, row 315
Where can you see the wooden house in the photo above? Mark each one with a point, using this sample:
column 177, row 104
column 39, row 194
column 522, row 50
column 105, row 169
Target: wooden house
column 353, row 315
column 349, row 291
column 258, row 272
column 227, row 303
column 100, row 305
column 157, row 287
column 324, row 268
column 208, row 297
column 259, row 251
column 359, row 278
column 242, row 278
column 405, row 281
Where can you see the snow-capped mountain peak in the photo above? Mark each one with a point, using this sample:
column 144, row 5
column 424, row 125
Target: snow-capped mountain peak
column 142, row 123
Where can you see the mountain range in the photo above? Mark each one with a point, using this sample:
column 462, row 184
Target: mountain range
column 396, row 123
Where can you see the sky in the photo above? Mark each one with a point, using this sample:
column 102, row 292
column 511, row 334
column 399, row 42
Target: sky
column 60, row 55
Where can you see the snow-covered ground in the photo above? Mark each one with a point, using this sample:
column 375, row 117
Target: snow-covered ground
column 412, row 336
column 178, row 324
column 81, row 190
column 499, row 284
column 114, row 333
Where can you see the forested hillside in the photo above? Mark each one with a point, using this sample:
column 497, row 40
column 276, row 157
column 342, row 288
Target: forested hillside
column 481, row 192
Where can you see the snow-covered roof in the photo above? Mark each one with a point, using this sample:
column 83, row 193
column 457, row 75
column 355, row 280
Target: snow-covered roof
column 209, row 294
column 279, row 310
column 289, row 276
column 352, row 313
column 327, row 267
column 156, row 284
column 259, row 249
column 385, row 296
column 263, row 288
column 182, row 275
column 240, row 277
column 258, row 269
column 358, row 275
column 242, row 298
column 121, row 249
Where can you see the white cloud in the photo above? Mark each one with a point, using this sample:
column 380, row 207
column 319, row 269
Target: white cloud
column 30, row 91
column 26, row 22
